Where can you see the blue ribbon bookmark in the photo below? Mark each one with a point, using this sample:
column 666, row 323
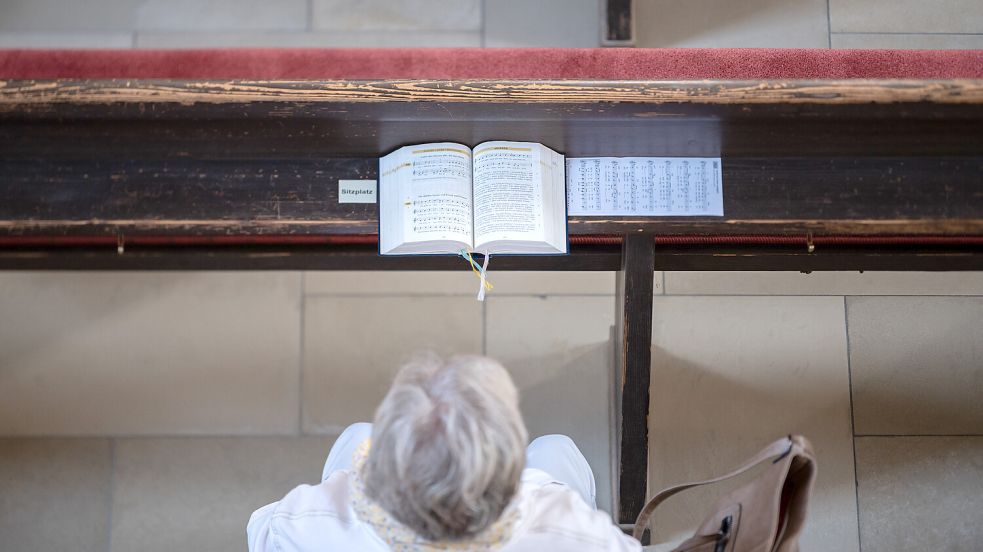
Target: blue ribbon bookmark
column 479, row 271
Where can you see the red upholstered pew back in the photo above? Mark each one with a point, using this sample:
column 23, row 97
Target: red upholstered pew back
column 506, row 63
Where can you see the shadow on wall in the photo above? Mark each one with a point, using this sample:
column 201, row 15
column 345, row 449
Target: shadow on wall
column 704, row 423
column 570, row 393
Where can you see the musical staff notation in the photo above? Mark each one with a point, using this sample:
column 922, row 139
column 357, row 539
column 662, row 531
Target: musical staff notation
column 443, row 213
column 645, row 186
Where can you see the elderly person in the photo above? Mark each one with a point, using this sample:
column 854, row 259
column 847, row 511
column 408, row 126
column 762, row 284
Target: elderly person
column 444, row 467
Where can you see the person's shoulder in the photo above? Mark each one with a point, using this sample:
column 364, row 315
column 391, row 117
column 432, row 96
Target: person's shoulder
column 556, row 505
column 328, row 499
column 311, row 517
column 557, row 513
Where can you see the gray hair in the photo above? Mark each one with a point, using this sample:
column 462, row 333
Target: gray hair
column 448, row 446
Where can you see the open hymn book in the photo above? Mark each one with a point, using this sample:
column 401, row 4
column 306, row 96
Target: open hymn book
column 503, row 197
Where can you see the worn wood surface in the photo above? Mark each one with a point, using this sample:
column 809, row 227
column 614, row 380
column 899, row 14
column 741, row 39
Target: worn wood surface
column 859, row 157
column 266, row 139
column 851, row 132
column 15, row 94
column 264, row 158
column 579, row 118
column 582, row 258
column 106, row 193
column 633, row 358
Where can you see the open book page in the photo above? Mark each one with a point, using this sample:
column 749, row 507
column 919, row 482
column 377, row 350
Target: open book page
column 508, row 192
column 425, row 196
column 646, row 186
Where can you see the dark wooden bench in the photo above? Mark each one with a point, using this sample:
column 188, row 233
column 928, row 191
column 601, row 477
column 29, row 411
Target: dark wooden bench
column 818, row 175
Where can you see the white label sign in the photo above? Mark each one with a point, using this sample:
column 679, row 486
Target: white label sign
column 356, row 191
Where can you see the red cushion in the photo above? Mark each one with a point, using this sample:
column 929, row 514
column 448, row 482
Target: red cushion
column 505, row 63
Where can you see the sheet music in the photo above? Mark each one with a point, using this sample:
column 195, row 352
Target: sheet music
column 646, row 186
column 437, row 197
column 425, row 195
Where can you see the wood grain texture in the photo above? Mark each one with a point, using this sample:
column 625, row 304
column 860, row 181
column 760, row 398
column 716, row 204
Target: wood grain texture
column 20, row 93
column 633, row 331
column 582, row 258
column 361, row 131
column 108, row 193
column 164, row 118
column 263, row 158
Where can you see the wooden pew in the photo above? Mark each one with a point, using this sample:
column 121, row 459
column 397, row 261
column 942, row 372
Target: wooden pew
column 818, row 175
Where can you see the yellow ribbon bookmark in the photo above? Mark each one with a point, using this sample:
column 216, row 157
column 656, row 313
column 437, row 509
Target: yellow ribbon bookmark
column 479, row 271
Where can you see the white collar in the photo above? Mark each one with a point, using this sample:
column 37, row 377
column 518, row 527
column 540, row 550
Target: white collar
column 401, row 538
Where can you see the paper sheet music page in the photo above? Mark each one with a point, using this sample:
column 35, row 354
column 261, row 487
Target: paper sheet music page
column 645, row 186
column 425, row 196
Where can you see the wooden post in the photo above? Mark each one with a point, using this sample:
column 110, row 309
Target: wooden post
column 633, row 357
column 618, row 27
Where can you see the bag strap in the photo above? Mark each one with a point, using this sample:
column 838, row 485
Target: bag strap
column 774, row 452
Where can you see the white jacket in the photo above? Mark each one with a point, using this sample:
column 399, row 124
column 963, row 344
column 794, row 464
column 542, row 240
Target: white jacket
column 321, row 518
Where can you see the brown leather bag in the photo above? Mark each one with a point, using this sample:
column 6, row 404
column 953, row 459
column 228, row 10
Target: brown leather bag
column 766, row 515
